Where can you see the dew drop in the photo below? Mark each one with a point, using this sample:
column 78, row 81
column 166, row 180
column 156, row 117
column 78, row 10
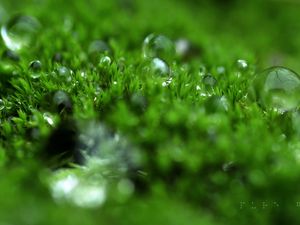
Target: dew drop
column 221, row 70
column 20, row 31
column 35, row 65
column 62, row 101
column 97, row 49
column 65, row 72
column 35, row 69
column 242, row 64
column 202, row 70
column 158, row 46
column 105, row 61
column 276, row 88
column 209, row 81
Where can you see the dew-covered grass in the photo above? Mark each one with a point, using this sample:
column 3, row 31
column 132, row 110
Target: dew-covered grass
column 149, row 112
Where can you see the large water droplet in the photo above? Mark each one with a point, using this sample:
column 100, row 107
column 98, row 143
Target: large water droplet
column 158, row 46
column 277, row 88
column 20, row 31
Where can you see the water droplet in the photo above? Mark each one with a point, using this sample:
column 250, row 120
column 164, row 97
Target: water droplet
column 202, row 70
column 158, row 46
column 35, row 68
column 65, row 72
column 62, row 102
column 221, row 70
column 209, row 81
column 35, row 65
column 105, row 61
column 20, row 31
column 97, row 49
column 159, row 67
column 242, row 64
column 277, row 88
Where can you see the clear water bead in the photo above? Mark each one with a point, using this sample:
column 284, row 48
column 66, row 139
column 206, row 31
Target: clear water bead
column 158, row 46
column 277, row 88
column 20, row 31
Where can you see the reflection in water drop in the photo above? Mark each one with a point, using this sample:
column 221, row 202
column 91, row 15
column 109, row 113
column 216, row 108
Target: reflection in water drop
column 277, row 88
column 20, row 31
